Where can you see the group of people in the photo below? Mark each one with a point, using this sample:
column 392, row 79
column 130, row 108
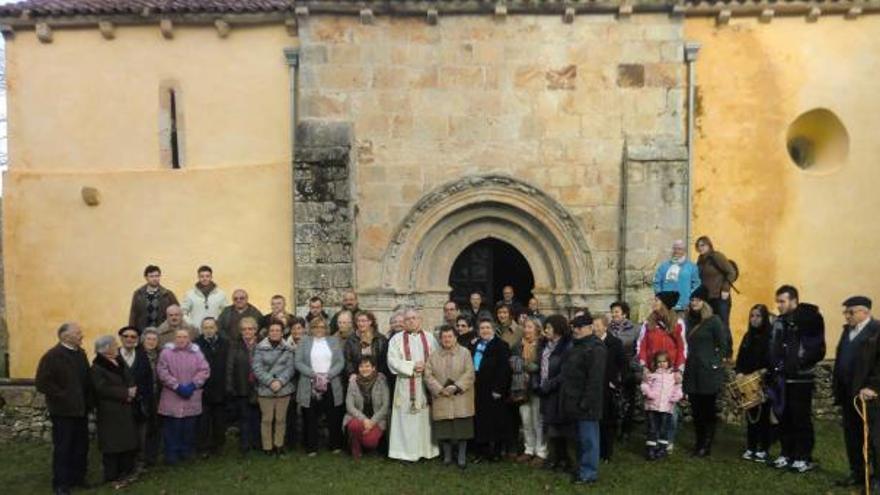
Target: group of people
column 485, row 384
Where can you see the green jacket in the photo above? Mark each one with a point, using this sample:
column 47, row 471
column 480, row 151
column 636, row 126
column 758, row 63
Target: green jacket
column 706, row 347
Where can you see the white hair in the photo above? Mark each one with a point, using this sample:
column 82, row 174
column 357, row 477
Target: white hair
column 103, row 343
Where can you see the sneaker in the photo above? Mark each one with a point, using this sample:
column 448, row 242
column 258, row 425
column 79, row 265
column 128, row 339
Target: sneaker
column 669, row 447
column 802, row 467
column 781, row 462
column 760, row 457
column 748, row 455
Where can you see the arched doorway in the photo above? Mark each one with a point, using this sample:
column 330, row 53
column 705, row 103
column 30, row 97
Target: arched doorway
column 487, row 266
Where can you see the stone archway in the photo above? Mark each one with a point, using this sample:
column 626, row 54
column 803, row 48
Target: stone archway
column 416, row 264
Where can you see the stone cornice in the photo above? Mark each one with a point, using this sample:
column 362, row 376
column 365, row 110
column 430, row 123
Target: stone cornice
column 723, row 11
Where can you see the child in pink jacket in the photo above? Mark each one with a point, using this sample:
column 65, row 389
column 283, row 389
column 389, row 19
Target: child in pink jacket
column 661, row 394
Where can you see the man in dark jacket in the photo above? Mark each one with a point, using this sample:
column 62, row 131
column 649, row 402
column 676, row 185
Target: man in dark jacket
column 583, row 378
column 615, row 366
column 149, row 302
column 857, row 373
column 137, row 363
column 212, row 422
column 797, row 344
column 230, row 318
column 63, row 376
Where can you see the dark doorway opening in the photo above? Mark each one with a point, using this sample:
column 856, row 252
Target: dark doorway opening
column 487, row 266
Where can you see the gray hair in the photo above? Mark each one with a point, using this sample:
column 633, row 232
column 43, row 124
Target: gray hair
column 150, row 330
column 103, row 343
column 398, row 313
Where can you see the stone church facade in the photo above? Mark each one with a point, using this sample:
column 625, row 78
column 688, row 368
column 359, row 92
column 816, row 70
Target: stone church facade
column 307, row 147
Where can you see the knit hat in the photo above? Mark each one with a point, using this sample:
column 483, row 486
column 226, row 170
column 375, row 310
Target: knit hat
column 668, row 297
column 857, row 301
column 701, row 293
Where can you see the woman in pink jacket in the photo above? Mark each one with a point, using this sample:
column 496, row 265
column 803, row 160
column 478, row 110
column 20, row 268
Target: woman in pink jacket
column 183, row 371
column 661, row 392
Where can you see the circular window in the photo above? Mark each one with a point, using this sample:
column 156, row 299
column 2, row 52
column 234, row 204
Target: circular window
column 817, row 141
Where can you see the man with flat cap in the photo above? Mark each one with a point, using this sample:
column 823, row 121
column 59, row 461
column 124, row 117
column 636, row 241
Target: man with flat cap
column 857, row 373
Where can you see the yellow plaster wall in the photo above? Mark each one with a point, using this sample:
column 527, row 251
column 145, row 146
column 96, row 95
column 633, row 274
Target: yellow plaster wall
column 84, row 111
column 782, row 224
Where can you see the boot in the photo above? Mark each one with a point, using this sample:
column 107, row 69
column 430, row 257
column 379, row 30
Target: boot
column 708, row 437
column 462, row 454
column 447, row 452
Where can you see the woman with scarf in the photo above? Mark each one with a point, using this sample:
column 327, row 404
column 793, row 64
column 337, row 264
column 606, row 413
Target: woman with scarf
column 449, row 375
column 366, row 407
column 492, row 385
column 551, row 354
column 704, row 373
column 319, row 392
column 464, row 330
column 241, row 385
column 754, row 355
column 273, row 369
column 365, row 342
column 526, row 365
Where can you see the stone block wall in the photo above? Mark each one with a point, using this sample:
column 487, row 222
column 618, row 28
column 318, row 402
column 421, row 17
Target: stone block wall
column 323, row 214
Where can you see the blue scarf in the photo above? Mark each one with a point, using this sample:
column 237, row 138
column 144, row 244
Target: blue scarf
column 478, row 355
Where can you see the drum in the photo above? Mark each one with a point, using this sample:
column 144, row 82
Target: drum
column 748, row 390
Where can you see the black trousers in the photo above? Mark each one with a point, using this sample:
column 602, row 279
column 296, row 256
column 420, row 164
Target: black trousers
column 704, row 414
column 759, row 432
column 796, row 424
column 118, row 465
column 292, row 433
column 311, row 416
column 70, row 450
column 853, row 438
column 608, row 425
column 212, row 427
column 152, row 438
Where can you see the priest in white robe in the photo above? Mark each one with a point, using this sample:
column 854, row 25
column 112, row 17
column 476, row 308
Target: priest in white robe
column 408, row 352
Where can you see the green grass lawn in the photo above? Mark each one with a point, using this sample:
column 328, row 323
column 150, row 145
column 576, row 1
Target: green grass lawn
column 25, row 469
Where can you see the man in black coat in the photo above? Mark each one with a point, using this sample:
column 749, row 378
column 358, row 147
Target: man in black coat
column 583, row 379
column 615, row 365
column 212, row 422
column 797, row 344
column 63, row 376
column 857, row 374
column 138, row 365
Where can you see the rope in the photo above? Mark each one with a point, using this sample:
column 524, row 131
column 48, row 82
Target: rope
column 863, row 413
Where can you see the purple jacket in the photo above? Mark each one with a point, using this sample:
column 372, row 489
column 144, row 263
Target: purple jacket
column 178, row 367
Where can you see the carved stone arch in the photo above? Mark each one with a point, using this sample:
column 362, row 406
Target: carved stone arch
column 457, row 214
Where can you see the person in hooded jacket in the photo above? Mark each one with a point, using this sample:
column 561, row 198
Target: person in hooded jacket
column 753, row 356
column 797, row 344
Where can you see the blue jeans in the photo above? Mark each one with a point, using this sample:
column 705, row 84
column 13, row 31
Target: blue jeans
column 588, row 450
column 179, row 437
column 672, row 431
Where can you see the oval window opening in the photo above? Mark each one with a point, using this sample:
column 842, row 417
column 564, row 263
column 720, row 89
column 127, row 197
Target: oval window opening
column 817, row 141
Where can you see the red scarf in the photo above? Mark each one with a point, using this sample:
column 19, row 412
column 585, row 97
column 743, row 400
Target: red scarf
column 408, row 356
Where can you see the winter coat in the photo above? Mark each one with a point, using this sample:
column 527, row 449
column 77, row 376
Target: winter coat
column 865, row 369
column 378, row 347
column 196, row 306
column 179, row 367
column 230, row 318
column 240, row 379
column 354, row 402
column 273, row 363
column 754, row 350
column 138, row 316
column 548, row 389
column 456, row 366
column 492, row 418
column 63, row 377
column 707, row 346
column 660, row 391
column 583, row 380
column 141, row 372
column 653, row 338
column 716, row 272
column 115, row 423
column 797, row 343
column 685, row 283
column 524, row 371
column 303, row 363
column 217, row 354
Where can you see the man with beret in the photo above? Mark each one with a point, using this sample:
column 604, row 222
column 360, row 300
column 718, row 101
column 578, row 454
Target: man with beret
column 583, row 378
column 138, row 364
column 857, row 373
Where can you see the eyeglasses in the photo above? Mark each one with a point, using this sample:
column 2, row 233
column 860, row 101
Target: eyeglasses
column 130, row 336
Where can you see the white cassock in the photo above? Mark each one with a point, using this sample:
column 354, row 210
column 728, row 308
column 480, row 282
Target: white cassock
column 411, row 414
